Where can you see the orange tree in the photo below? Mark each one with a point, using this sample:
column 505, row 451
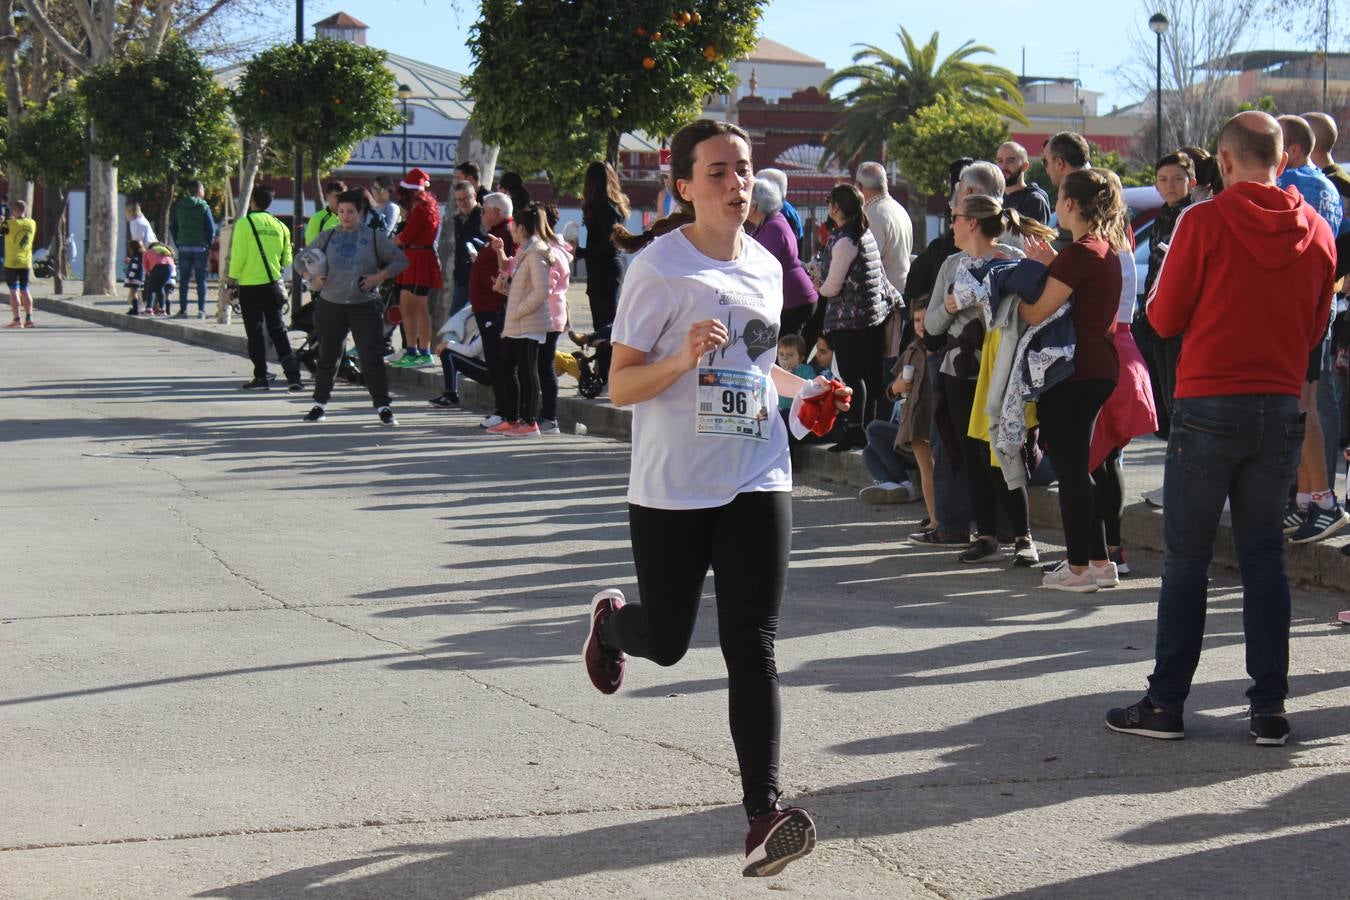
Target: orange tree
column 556, row 83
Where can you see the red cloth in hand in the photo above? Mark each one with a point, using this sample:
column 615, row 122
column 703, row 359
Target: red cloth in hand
column 818, row 412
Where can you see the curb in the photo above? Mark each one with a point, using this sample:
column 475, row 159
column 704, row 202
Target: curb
column 1317, row 565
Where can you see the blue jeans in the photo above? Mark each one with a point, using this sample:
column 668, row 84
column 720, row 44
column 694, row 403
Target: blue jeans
column 883, row 461
column 1329, row 411
column 1245, row 449
column 192, row 260
column 459, row 298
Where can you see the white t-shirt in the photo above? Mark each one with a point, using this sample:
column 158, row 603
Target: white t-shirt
column 141, row 230
column 716, row 432
column 1129, row 286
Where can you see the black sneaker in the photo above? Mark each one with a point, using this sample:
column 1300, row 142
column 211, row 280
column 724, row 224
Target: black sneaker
column 1146, row 720
column 257, row 384
column 315, row 414
column 1269, row 729
column 387, row 416
column 296, row 386
column 446, row 400
column 939, row 538
column 983, row 550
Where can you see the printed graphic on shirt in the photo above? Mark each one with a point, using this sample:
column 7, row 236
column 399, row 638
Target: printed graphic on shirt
column 735, row 401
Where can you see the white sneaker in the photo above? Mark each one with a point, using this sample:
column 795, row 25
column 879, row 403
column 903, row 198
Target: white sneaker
column 549, row 426
column 1064, row 579
column 1107, row 576
column 491, row 421
column 887, row 492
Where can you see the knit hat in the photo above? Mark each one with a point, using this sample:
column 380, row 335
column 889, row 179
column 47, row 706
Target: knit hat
column 415, row 180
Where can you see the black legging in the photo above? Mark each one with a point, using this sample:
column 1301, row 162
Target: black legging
column 792, row 321
column 261, row 312
column 602, row 292
column 1068, row 413
column 490, row 331
column 857, row 355
column 520, row 363
column 746, row 542
column 988, row 490
column 365, row 323
column 1109, row 480
column 548, row 377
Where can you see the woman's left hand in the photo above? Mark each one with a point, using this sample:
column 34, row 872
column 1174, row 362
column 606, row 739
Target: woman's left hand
column 949, row 303
column 1038, row 250
column 369, row 283
column 843, row 399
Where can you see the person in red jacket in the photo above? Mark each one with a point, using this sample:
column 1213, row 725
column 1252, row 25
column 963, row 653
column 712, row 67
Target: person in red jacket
column 417, row 237
column 489, row 304
column 1247, row 282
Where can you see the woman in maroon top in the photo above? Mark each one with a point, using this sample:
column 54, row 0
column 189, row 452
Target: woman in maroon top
column 1087, row 274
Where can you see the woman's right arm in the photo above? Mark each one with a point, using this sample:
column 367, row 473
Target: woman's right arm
column 841, row 257
column 632, row 379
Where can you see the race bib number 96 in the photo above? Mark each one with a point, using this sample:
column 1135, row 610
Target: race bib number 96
column 733, row 402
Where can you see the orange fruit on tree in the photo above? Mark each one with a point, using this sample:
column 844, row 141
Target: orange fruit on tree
column 656, row 36
column 640, row 31
column 710, row 53
column 648, row 63
column 695, row 18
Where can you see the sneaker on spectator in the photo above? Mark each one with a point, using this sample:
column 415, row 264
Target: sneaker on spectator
column 1319, row 522
column 491, row 421
column 406, row 360
column 603, row 666
column 1344, row 615
column 1269, row 729
column 17, row 323
column 1117, row 556
column 982, row 550
column 1146, row 720
column 295, row 387
column 181, row 314
column 549, row 426
column 1025, row 553
column 445, row 400
column 1064, row 578
column 884, row 492
column 133, row 311
column 28, row 323
column 1107, row 576
column 257, row 384
column 315, row 414
column 523, row 429
column 387, row 416
column 1293, row 517
column 939, row 538
column 501, row 427
column 776, row 838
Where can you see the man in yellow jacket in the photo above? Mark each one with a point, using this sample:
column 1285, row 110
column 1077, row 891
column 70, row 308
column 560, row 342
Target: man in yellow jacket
column 260, row 248
column 19, row 231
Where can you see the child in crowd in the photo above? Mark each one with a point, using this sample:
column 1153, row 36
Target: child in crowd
column 133, row 276
column 823, row 362
column 917, row 414
column 157, row 263
column 792, row 358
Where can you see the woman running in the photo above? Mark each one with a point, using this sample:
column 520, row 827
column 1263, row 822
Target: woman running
column 694, row 349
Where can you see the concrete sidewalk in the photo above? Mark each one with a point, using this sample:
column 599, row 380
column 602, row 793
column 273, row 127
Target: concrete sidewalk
column 1321, row 564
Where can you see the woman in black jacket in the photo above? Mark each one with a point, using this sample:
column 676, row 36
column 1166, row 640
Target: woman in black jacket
column 603, row 206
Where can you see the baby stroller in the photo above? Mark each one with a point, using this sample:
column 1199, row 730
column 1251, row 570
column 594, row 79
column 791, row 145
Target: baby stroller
column 589, row 382
column 349, row 369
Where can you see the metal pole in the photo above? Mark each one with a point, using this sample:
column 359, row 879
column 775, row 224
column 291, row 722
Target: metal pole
column 1326, row 51
column 1158, row 97
column 298, row 196
column 405, row 135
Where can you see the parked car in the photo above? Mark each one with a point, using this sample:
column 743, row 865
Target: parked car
column 1143, row 204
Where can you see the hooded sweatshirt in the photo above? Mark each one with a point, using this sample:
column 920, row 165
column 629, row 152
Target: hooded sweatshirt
column 1248, row 279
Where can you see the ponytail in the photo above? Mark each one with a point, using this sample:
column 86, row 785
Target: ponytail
column 628, row 242
column 1015, row 223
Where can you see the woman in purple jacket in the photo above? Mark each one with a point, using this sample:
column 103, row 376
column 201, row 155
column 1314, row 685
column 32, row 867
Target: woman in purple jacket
column 767, row 225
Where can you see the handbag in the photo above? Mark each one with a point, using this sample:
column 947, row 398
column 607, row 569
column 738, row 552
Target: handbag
column 279, row 293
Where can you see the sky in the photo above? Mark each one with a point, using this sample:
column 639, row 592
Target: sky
column 1091, row 44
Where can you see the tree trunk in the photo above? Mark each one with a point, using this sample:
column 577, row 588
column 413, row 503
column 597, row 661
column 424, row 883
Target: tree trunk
column 612, row 149
column 471, row 148
column 318, row 183
column 53, row 219
column 62, row 268
column 20, row 188
column 166, row 210
column 100, row 252
column 254, row 144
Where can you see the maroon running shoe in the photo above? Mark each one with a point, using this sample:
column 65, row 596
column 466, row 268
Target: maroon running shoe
column 604, row 666
column 776, row 838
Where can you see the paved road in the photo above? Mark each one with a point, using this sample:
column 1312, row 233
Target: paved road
column 244, row 657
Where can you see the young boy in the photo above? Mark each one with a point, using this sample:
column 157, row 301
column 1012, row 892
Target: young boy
column 19, row 230
column 792, row 357
column 133, row 276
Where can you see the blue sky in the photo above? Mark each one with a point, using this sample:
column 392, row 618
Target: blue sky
column 1089, row 44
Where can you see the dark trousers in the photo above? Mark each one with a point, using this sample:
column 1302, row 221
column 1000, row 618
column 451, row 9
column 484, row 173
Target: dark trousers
column 261, row 313
column 989, row 493
column 602, row 294
column 1109, row 481
column 746, row 542
column 365, row 322
column 794, row 320
column 520, row 359
column 1068, row 413
column 156, row 297
column 548, row 377
column 490, row 330
column 192, row 263
column 1246, row 449
column 1166, row 353
column 857, row 355
column 814, row 326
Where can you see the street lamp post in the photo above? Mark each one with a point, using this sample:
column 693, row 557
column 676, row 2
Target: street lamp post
column 297, row 189
column 1158, row 23
column 404, row 93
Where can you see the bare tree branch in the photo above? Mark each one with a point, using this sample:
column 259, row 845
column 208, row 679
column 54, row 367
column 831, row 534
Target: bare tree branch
column 194, row 25
column 159, row 25
column 37, row 13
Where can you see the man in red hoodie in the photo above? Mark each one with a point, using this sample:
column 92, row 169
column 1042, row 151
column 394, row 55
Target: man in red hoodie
column 489, row 306
column 1248, row 281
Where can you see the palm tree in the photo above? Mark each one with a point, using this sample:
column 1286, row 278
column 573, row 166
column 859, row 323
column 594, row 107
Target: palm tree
column 891, row 88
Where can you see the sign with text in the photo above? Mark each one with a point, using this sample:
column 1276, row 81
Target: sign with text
column 385, row 151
